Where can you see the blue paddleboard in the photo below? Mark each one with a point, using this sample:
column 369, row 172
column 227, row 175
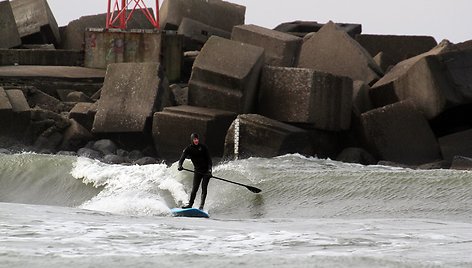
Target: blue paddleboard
column 189, row 212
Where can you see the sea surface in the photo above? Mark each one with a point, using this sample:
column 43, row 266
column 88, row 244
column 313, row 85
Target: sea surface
column 65, row 211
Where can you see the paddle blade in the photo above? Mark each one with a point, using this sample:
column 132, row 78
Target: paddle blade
column 253, row 189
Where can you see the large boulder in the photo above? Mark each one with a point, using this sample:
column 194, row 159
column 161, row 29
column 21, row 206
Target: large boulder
column 456, row 144
column 395, row 48
column 299, row 95
column 225, row 76
column 215, row 13
column 196, row 33
column 421, row 79
column 281, row 49
column 35, row 21
column 84, row 114
column 333, row 50
column 75, row 136
column 8, row 31
column 172, row 128
column 255, row 135
column 400, row 133
column 132, row 92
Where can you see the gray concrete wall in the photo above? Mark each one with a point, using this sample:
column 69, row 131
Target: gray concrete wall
column 41, row 57
column 9, row 36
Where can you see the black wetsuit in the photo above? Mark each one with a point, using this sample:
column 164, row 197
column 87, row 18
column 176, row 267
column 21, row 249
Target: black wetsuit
column 202, row 163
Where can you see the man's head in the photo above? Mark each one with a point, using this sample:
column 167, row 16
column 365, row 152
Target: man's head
column 194, row 138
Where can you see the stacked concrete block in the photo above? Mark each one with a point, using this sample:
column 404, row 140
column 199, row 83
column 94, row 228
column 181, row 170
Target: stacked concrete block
column 84, row 114
column 197, row 33
column 8, row 31
column 172, row 128
column 75, row 31
column 14, row 113
column 215, row 13
column 46, row 57
column 299, row 95
column 131, row 93
column 35, row 21
column 401, row 134
column 302, row 28
column 333, row 50
column 457, row 144
column 225, row 76
column 395, row 48
column 281, row 49
column 360, row 98
column 256, row 135
column 422, row 79
column 106, row 47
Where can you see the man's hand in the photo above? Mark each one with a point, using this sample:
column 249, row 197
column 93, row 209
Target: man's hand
column 180, row 168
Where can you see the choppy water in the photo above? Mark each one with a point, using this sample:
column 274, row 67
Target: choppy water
column 58, row 211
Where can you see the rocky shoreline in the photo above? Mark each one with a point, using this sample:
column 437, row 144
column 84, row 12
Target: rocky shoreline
column 325, row 90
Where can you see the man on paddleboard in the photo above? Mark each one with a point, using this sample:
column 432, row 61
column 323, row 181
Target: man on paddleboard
column 202, row 163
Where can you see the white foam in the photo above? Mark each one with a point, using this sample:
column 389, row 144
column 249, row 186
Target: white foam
column 131, row 190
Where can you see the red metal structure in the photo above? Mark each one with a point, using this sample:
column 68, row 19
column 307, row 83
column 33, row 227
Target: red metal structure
column 118, row 14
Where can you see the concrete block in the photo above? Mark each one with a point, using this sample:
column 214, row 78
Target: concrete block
column 8, row 31
column 5, row 104
column 456, row 144
column 281, row 49
column 421, row 79
column 74, row 33
column 75, row 137
column 333, row 50
column 131, row 93
column 172, row 55
column 215, row 13
column 400, row 133
column 302, row 28
column 395, row 47
column 458, row 65
column 361, row 102
column 253, row 135
column 84, row 114
column 46, row 57
column 35, row 17
column 106, row 47
column 225, row 75
column 172, row 128
column 299, row 95
column 461, row 163
column 197, row 33
column 18, row 101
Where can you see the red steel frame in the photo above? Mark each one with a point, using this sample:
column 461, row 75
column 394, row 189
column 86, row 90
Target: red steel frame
column 118, row 15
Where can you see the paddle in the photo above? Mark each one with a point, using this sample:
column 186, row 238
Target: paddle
column 250, row 188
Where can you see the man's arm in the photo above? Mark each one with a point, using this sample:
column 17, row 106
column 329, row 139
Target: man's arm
column 182, row 158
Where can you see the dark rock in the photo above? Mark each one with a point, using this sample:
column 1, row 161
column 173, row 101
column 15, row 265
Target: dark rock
column 5, row 151
column 75, row 137
column 8, row 31
column 225, row 76
column 76, row 96
column 122, row 153
column 356, row 155
column 298, row 95
column 67, row 153
column 135, row 155
column 400, row 133
column 461, row 163
column 180, row 94
column 456, row 144
column 361, row 102
column 105, row 146
column 132, row 92
column 172, row 12
column 303, row 28
column 48, row 141
column 84, row 114
column 444, row 164
column 146, row 161
column 113, row 159
column 332, row 50
column 281, row 49
column 90, row 153
column 252, row 135
column 172, row 128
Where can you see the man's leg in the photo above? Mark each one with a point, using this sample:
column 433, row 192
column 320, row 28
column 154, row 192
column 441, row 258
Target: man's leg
column 206, row 180
column 197, row 178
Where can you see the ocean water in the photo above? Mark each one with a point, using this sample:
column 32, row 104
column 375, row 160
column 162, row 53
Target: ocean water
column 64, row 211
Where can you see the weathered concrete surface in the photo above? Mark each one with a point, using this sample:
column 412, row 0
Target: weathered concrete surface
column 215, row 13
column 302, row 28
column 452, row 120
column 396, row 48
column 281, row 49
column 225, row 76
column 46, row 57
column 172, row 55
column 461, row 163
column 35, row 17
column 14, row 117
column 73, row 36
column 131, row 93
column 50, row 78
column 333, row 50
column 172, row 128
column 400, row 133
column 84, row 114
column 114, row 46
column 197, row 33
column 457, row 144
column 8, row 31
column 259, row 136
column 422, row 79
column 18, row 102
column 361, row 102
column 299, row 95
